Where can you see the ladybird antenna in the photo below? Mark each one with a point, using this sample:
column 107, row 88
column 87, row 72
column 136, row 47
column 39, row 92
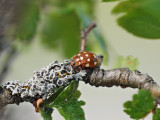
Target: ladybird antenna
column 84, row 34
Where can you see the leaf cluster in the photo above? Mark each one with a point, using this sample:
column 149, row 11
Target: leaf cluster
column 141, row 105
column 141, row 17
column 66, row 102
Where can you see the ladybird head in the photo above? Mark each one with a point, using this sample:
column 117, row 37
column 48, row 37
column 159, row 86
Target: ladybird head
column 100, row 60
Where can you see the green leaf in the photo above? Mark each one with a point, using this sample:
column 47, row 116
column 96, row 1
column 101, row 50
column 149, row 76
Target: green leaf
column 156, row 115
column 27, row 21
column 141, row 104
column 52, row 97
column 62, row 30
column 46, row 113
column 67, row 103
column 86, row 5
column 109, row 0
column 141, row 17
column 129, row 62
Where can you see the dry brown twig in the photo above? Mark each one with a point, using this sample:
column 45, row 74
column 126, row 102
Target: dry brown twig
column 84, row 34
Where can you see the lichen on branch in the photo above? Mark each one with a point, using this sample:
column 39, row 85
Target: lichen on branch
column 42, row 85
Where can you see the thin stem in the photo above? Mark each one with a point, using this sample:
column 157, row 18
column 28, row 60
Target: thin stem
column 84, row 34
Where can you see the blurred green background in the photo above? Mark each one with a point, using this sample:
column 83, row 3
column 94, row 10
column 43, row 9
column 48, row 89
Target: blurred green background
column 36, row 33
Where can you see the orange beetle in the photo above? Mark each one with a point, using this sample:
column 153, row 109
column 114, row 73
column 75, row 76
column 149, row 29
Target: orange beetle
column 86, row 60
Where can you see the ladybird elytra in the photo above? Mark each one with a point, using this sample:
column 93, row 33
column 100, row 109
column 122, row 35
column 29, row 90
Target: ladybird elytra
column 85, row 60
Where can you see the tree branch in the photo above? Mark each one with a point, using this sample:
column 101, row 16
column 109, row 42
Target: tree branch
column 56, row 74
column 125, row 78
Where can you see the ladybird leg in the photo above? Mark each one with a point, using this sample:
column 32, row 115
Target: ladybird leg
column 38, row 103
column 77, row 69
column 81, row 67
column 72, row 63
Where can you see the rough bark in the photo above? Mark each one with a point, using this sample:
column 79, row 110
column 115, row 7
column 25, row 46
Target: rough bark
column 98, row 77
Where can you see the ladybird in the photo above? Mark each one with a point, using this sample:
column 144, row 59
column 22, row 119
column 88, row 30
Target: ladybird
column 85, row 60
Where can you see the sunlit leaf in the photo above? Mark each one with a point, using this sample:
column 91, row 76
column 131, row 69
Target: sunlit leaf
column 68, row 105
column 53, row 97
column 109, row 0
column 46, row 113
column 85, row 5
column 62, row 30
column 141, row 17
column 156, row 115
column 141, row 104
